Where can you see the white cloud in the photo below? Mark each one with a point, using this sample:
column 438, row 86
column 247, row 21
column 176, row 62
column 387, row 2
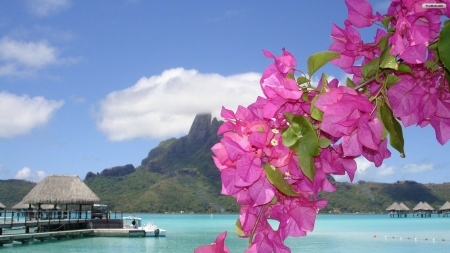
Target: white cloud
column 23, row 58
column 43, row 8
column 20, row 114
column 26, row 174
column 165, row 105
column 368, row 172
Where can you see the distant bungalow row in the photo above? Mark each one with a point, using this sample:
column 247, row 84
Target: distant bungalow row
column 423, row 209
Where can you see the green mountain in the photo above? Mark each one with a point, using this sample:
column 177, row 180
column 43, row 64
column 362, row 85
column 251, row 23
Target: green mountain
column 13, row 190
column 179, row 175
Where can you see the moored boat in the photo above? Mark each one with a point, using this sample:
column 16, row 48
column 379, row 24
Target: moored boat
column 151, row 230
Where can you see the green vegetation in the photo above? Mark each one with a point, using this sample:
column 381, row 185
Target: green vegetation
column 12, row 191
column 179, row 175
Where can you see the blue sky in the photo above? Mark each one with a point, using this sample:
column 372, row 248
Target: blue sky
column 89, row 85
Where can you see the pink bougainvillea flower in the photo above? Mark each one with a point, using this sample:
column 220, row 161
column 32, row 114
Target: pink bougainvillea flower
column 284, row 63
column 267, row 242
column 348, row 43
column 218, row 246
column 405, row 96
column 377, row 156
column 370, row 131
column 360, row 13
column 441, row 121
column 274, row 82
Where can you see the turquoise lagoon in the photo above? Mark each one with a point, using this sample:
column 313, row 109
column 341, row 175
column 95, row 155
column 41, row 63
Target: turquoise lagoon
column 332, row 233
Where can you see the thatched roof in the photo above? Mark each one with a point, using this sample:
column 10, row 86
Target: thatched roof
column 21, row 205
column 2, row 206
column 61, row 189
column 397, row 207
column 446, row 206
column 423, row 206
column 394, row 207
column 428, row 206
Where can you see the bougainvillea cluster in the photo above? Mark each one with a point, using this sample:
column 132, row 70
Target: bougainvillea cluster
column 275, row 155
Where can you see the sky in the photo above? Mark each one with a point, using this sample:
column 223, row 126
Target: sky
column 90, row 85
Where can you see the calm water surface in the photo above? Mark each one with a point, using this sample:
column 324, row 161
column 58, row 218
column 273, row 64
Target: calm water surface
column 332, row 233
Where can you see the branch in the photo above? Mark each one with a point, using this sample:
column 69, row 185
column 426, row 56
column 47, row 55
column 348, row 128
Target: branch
column 250, row 240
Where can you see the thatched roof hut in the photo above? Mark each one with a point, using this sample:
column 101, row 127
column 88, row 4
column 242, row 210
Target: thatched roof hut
column 420, row 207
column 394, row 207
column 445, row 207
column 61, row 189
column 22, row 205
column 397, row 207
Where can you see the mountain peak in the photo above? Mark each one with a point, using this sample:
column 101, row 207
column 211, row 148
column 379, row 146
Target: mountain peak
column 201, row 128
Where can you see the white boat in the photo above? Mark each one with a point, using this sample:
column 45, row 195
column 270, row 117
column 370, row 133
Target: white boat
column 151, row 230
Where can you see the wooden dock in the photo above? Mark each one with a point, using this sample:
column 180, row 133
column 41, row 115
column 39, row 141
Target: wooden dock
column 58, row 235
column 29, row 237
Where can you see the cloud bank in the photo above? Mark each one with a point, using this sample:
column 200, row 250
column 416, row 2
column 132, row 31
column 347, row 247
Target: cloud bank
column 26, row 174
column 22, row 58
column 20, row 114
column 368, row 172
column 165, row 105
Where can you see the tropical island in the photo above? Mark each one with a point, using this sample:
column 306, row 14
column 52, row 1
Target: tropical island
column 182, row 171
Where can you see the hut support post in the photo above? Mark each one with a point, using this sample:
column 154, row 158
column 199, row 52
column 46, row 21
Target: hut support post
column 1, row 231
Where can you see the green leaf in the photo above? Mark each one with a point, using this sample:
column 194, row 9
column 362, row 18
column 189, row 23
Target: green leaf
column 290, row 76
column 302, row 80
column 391, row 80
column 307, row 165
column 379, row 102
column 238, row 228
column 274, row 200
column 276, row 178
column 302, row 130
column 444, row 46
column 433, row 46
column 394, row 128
column 371, row 68
column 318, row 60
column 350, row 83
column 446, row 22
column 385, row 21
column 324, row 83
column 388, row 61
column 315, row 112
column 404, row 68
column 431, row 65
column 305, row 96
column 324, row 142
column 383, row 42
column 291, row 135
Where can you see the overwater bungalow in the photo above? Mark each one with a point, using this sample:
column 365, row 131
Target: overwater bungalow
column 423, row 209
column 2, row 208
column 22, row 208
column 398, row 210
column 445, row 209
column 61, row 190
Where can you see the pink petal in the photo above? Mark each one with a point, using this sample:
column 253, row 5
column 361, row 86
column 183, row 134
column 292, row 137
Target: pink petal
column 360, row 13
